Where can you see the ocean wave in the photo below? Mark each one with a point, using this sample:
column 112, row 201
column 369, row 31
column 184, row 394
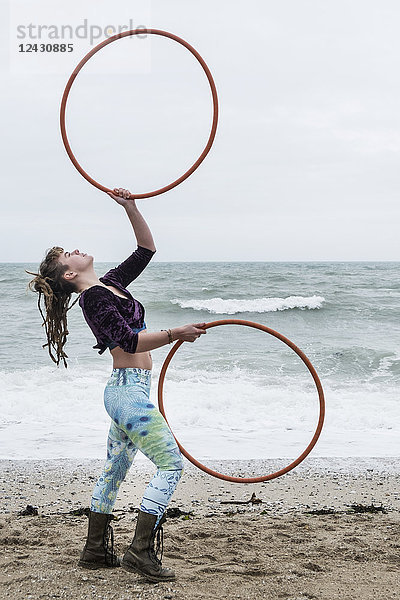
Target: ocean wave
column 388, row 365
column 231, row 306
column 233, row 413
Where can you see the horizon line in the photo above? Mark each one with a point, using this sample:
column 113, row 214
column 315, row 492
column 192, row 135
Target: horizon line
column 10, row 262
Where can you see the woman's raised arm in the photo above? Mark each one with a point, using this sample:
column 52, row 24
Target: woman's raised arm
column 142, row 231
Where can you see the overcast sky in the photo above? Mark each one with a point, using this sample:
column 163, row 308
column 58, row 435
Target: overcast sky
column 305, row 165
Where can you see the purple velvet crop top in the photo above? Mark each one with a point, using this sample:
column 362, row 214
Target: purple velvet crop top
column 115, row 321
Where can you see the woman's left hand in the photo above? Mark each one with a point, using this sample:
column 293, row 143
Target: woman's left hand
column 121, row 196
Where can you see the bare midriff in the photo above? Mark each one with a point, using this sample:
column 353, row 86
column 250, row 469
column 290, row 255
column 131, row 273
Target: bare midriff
column 139, row 360
column 125, row 360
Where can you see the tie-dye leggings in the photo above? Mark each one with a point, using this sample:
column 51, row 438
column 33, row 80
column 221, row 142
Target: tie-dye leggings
column 136, row 424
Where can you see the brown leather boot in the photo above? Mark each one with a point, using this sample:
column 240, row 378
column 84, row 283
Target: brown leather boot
column 140, row 556
column 99, row 548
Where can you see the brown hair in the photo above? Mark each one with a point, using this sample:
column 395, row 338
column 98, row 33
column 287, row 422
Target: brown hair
column 56, row 291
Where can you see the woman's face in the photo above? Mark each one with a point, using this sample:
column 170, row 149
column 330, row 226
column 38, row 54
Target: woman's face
column 76, row 261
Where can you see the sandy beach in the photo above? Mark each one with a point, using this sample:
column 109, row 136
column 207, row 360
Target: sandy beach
column 227, row 547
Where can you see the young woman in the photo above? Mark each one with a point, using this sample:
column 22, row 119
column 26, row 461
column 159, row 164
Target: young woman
column 117, row 321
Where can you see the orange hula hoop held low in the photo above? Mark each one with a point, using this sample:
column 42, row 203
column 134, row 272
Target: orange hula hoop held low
column 309, row 366
column 78, row 68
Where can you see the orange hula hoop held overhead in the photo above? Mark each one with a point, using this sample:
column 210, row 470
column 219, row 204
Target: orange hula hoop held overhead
column 85, row 60
column 309, row 366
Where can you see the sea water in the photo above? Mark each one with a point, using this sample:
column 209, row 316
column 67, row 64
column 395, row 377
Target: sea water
column 237, row 392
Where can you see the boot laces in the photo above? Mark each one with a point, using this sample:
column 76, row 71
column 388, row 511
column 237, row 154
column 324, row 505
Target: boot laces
column 109, row 556
column 159, row 546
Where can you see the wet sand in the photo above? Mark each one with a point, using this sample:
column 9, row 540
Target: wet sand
column 277, row 548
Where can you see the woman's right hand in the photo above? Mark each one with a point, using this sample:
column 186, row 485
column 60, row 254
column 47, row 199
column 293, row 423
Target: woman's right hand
column 188, row 333
column 121, row 196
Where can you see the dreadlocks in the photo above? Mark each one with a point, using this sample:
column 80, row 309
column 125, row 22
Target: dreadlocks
column 56, row 292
